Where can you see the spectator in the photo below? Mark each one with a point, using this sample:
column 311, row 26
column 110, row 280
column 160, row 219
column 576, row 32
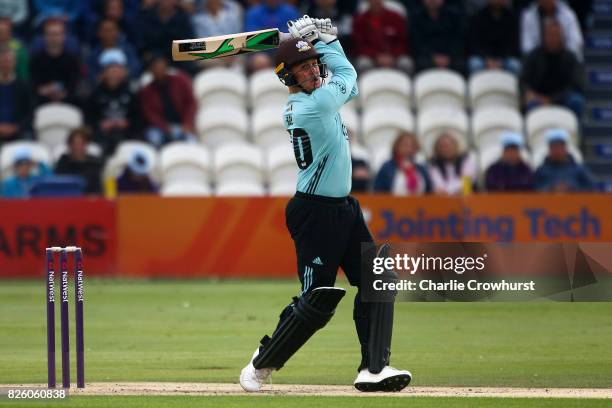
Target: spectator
column 168, row 105
column 341, row 14
column 162, row 24
column 135, row 177
column 113, row 108
column 18, row 12
column 402, row 175
column 26, row 173
column 269, row 13
column 437, row 37
column 15, row 100
column 217, row 18
column 380, row 39
column 532, row 25
column 510, row 172
column 451, row 171
column 122, row 12
column 70, row 11
column 494, row 38
column 21, row 53
column 109, row 38
column 560, row 172
column 78, row 162
column 55, row 72
column 551, row 74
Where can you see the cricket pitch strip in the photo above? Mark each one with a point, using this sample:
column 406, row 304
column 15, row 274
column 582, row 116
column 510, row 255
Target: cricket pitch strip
column 208, row 389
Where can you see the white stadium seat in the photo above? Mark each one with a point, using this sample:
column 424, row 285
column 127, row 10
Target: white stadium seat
column 385, row 87
column 219, row 125
column 350, row 117
column 220, row 87
column 543, row 118
column 267, row 90
column 237, row 189
column 38, row 151
column 493, row 87
column 93, row 149
column 124, row 153
column 53, row 122
column 435, row 88
column 432, row 122
column 267, row 126
column 380, row 126
column 185, row 189
column 540, row 152
column 239, row 163
column 187, row 163
column 281, row 167
column 489, row 122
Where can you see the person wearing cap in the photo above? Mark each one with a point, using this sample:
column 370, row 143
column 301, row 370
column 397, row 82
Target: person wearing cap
column 112, row 108
column 510, row 172
column 26, row 172
column 326, row 223
column 136, row 176
column 560, row 172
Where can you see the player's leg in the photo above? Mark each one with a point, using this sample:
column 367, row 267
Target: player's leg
column 316, row 234
column 373, row 320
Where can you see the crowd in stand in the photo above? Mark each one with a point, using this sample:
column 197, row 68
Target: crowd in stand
column 95, row 54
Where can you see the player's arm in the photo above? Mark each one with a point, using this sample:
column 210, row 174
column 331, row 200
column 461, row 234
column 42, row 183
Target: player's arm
column 343, row 83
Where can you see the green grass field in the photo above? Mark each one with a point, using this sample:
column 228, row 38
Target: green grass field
column 204, row 331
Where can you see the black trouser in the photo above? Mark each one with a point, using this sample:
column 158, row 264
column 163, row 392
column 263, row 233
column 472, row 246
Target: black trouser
column 327, row 233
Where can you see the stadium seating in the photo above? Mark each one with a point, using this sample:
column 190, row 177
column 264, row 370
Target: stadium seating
column 436, row 88
column 219, row 125
column 491, row 88
column 38, row 151
column 267, row 126
column 541, row 119
column 266, row 90
column 381, row 125
column 237, row 189
column 185, row 189
column 185, row 164
column 350, row 117
column 237, row 163
column 489, row 122
column 53, row 122
column 281, row 169
column 124, row 152
column 385, row 87
column 221, row 87
column 432, row 122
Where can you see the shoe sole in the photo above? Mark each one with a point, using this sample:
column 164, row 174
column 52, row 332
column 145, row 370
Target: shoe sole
column 394, row 383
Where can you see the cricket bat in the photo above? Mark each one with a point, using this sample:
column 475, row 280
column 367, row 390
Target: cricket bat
column 227, row 45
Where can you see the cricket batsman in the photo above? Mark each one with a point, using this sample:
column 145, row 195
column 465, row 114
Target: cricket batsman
column 326, row 224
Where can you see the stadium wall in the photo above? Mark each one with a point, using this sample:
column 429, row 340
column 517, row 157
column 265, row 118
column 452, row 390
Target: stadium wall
column 149, row 236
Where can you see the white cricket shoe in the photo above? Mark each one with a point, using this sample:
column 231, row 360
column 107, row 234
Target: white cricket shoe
column 251, row 379
column 388, row 380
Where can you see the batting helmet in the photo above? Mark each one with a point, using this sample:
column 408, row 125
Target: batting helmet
column 292, row 52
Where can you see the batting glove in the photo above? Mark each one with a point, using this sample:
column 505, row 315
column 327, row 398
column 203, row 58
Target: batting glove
column 303, row 28
column 327, row 32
